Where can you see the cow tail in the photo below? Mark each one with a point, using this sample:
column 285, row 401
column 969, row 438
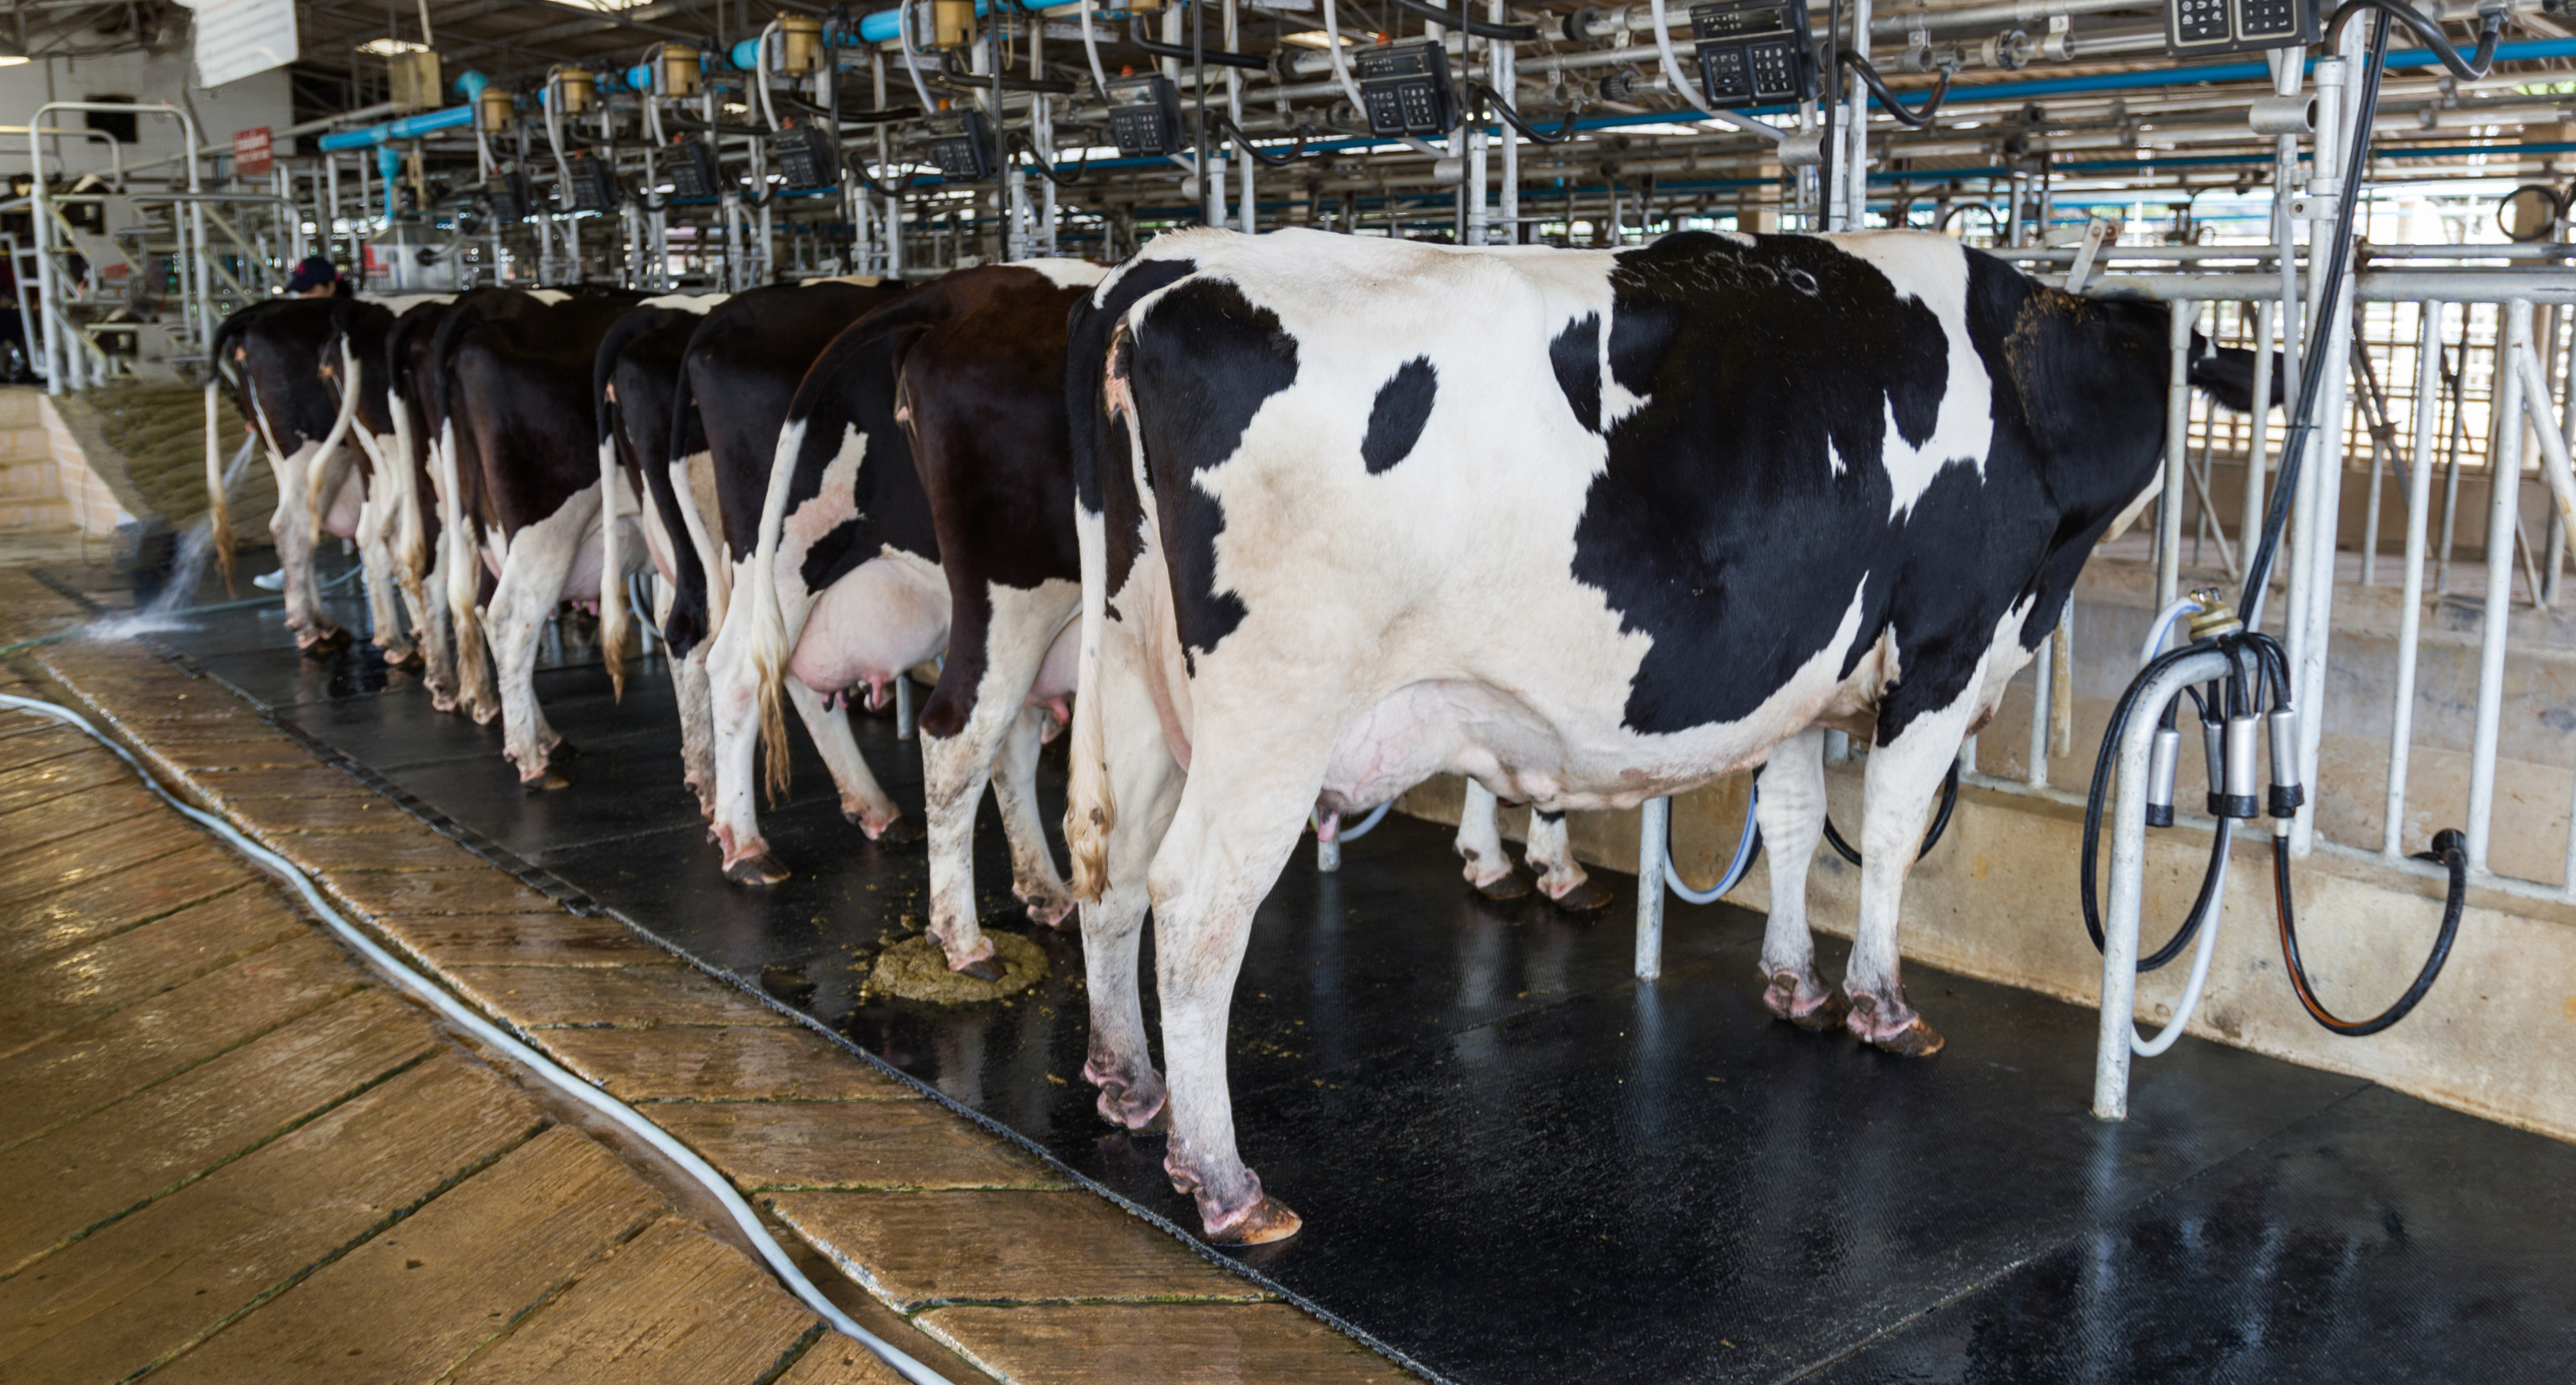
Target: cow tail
column 219, row 516
column 1091, row 805
column 766, row 644
column 612, row 577
column 317, row 471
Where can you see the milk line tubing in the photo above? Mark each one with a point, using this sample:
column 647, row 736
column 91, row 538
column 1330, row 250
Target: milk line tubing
column 2256, row 690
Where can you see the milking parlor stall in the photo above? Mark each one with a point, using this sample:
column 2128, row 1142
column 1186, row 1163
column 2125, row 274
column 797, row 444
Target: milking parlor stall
column 1288, row 690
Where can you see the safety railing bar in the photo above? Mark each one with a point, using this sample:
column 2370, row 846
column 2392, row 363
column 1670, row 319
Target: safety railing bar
column 2410, row 618
column 2503, row 510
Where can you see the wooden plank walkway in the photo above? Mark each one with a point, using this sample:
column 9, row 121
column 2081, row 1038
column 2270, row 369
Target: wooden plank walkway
column 236, row 1155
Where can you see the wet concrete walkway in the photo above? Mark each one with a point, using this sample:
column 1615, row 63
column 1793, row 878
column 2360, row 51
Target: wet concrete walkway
column 1518, row 1164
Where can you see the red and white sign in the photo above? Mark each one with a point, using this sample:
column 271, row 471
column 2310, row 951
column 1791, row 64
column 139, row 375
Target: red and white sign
column 251, row 153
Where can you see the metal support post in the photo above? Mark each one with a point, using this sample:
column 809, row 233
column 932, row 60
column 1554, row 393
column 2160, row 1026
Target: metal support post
column 2128, row 830
column 1654, row 819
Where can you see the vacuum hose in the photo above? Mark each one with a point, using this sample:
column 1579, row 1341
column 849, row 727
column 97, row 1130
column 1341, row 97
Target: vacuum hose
column 2255, row 693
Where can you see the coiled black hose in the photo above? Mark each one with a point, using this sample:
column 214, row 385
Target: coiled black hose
column 1931, row 835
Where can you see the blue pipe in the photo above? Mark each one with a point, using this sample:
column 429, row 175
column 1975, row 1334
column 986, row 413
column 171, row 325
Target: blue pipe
column 409, row 127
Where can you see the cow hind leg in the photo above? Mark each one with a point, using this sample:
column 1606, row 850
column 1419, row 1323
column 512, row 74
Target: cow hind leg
column 1146, row 784
column 540, row 557
column 1238, row 819
column 1034, row 878
column 863, row 801
column 1791, row 811
column 1899, row 785
column 1560, row 877
column 697, row 729
column 384, row 594
column 1480, row 845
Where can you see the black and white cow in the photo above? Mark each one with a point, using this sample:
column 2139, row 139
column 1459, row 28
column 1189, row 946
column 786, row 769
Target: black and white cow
column 923, row 506
column 651, row 446
column 417, row 542
column 522, row 493
column 1586, row 527
column 290, row 360
column 740, row 371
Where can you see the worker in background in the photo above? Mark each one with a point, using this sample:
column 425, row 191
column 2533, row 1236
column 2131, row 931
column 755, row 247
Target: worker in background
column 317, row 277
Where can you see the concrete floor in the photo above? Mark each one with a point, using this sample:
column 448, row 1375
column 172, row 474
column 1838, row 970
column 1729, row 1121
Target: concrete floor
column 1518, row 1164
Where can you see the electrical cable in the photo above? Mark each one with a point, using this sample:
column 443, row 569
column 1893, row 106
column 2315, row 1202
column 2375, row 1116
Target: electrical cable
column 486, row 1032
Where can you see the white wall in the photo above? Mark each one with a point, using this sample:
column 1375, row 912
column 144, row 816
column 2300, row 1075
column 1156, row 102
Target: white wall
column 252, row 101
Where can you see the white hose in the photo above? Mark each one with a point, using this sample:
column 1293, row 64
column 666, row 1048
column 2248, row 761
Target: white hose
column 1735, row 869
column 1376, row 816
column 2208, row 944
column 2183, row 606
column 465, row 1017
column 2164, row 1039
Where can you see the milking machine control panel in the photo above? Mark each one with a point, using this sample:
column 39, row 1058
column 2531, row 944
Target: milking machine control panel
column 693, row 169
column 1406, row 89
column 806, row 158
column 588, row 186
column 508, row 194
column 2237, row 26
column 1144, row 115
column 961, row 145
column 1754, row 53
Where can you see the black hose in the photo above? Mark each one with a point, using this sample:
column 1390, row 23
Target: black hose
column 1222, row 58
column 2271, row 673
column 1931, row 835
column 2427, row 31
column 1513, row 118
column 1919, row 118
column 2449, row 848
column 1047, row 170
column 1459, row 19
column 1254, row 152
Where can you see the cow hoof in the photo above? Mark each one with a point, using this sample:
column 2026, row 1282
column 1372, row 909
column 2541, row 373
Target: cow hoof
column 1511, row 884
column 1264, row 1222
column 1587, row 895
column 897, row 831
column 405, row 660
column 324, row 645
column 564, row 750
column 1911, row 1039
column 444, row 702
column 1827, row 1011
column 1915, row 1040
column 982, row 968
column 1051, row 911
column 757, row 869
column 546, row 782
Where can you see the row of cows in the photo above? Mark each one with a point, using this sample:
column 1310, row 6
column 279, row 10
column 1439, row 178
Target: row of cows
column 1280, row 526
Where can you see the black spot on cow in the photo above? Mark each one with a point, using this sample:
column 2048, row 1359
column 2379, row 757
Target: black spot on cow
column 1576, row 357
column 1209, row 359
column 1722, row 528
column 1395, row 421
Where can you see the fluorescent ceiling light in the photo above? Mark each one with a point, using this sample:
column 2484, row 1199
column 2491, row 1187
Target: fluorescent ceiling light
column 387, row 47
column 1316, row 38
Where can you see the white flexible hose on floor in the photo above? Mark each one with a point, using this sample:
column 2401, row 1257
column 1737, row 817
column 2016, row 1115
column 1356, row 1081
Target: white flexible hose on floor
column 483, row 1029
